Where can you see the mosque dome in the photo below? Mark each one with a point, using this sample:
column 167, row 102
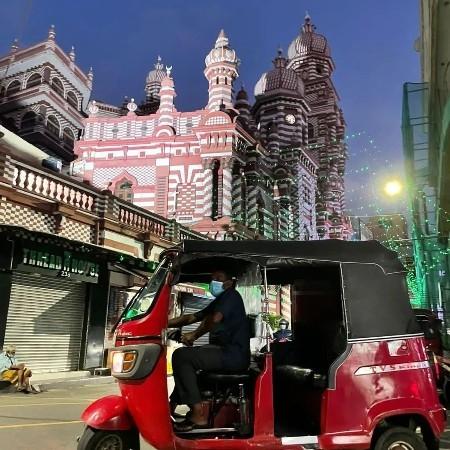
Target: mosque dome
column 280, row 77
column 158, row 73
column 242, row 94
column 222, row 52
column 308, row 42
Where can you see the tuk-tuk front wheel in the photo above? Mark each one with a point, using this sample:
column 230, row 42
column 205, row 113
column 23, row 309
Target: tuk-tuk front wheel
column 400, row 438
column 93, row 439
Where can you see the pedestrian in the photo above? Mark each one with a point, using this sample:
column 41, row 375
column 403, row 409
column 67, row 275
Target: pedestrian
column 13, row 371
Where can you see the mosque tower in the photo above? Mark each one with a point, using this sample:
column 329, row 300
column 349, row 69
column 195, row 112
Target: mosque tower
column 310, row 56
column 152, row 87
column 153, row 80
column 221, row 71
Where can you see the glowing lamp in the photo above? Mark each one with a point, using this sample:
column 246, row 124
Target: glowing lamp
column 392, row 188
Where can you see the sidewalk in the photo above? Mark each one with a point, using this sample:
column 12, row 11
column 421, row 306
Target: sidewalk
column 62, row 380
column 54, row 380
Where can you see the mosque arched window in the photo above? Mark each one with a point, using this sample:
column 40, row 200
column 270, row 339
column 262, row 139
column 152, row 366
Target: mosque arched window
column 13, row 88
column 276, row 224
column 53, row 125
column 34, row 80
column 243, row 200
column 57, row 86
column 306, row 234
column 68, row 136
column 311, row 133
column 72, row 99
column 124, row 190
column 28, row 120
column 217, row 80
column 260, row 219
column 226, row 80
column 215, row 190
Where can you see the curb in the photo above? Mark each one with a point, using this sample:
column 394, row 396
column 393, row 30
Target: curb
column 59, row 384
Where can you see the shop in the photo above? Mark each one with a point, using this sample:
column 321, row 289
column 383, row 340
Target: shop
column 55, row 297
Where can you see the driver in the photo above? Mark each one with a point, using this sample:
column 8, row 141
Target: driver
column 229, row 349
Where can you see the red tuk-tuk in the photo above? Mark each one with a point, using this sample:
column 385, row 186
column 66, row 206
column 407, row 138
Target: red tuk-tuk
column 354, row 376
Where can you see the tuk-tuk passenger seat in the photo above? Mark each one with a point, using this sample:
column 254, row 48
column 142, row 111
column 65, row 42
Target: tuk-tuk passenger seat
column 300, row 376
column 225, row 377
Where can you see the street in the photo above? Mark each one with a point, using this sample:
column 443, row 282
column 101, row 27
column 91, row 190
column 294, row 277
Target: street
column 51, row 420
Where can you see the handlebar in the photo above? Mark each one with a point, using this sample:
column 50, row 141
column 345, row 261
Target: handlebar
column 174, row 335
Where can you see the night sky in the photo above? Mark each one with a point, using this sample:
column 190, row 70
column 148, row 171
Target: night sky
column 372, row 44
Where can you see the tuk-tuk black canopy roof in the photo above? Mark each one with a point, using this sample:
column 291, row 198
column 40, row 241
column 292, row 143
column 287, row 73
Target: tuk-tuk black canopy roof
column 268, row 253
column 373, row 285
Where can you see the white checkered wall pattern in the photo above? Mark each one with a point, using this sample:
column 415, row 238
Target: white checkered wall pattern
column 145, row 175
column 25, row 217
column 77, row 231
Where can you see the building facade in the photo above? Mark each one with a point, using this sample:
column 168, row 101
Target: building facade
column 71, row 258
column 426, row 145
column 231, row 170
column 44, row 96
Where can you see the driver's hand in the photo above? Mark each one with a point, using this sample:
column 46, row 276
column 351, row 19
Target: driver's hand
column 188, row 339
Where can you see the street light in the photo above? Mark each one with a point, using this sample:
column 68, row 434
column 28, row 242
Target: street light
column 393, row 188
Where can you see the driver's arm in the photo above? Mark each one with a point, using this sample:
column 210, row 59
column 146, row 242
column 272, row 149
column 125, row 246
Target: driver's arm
column 185, row 319
column 207, row 324
column 188, row 319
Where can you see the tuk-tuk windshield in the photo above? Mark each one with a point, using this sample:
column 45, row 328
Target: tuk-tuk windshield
column 144, row 299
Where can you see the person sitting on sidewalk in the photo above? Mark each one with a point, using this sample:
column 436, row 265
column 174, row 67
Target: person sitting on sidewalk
column 14, row 372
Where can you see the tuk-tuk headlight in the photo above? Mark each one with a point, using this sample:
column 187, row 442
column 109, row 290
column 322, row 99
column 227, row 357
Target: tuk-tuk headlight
column 123, row 362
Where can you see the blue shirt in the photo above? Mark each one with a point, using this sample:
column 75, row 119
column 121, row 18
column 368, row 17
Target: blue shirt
column 233, row 332
column 6, row 361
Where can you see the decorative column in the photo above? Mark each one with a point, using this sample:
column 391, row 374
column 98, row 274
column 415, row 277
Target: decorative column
column 227, row 166
column 207, row 187
column 238, row 194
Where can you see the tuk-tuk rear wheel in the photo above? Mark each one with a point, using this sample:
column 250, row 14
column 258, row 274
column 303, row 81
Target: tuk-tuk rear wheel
column 400, row 438
column 93, row 439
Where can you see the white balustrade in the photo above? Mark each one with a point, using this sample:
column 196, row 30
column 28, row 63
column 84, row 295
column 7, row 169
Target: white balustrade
column 45, row 185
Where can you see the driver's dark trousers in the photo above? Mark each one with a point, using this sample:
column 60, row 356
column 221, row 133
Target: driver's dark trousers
column 186, row 361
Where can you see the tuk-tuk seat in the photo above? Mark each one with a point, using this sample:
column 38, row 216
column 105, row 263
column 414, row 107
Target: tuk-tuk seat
column 300, row 375
column 226, row 378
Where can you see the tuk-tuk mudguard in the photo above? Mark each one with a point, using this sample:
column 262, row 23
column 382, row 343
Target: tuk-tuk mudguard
column 406, row 407
column 108, row 413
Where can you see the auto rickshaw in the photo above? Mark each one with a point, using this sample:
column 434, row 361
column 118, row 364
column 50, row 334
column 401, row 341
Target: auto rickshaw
column 354, row 376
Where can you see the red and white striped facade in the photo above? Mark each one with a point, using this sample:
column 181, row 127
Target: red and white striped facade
column 44, row 95
column 226, row 170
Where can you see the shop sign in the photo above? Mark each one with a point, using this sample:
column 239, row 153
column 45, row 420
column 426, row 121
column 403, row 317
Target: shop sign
column 66, row 264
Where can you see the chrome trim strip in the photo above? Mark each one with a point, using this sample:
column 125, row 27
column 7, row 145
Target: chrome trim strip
column 385, row 338
column 300, row 440
column 377, row 369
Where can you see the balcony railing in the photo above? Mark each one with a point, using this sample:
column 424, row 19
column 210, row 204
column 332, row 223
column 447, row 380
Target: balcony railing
column 59, row 188
column 53, row 187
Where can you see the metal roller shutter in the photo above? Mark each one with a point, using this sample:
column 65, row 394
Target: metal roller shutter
column 45, row 321
column 192, row 304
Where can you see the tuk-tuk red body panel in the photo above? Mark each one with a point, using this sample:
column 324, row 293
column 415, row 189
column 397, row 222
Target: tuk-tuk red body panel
column 377, row 380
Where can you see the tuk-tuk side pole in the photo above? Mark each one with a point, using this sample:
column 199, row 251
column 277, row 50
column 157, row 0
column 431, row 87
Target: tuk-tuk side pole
column 266, row 309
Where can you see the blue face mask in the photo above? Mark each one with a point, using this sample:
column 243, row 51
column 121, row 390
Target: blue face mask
column 216, row 288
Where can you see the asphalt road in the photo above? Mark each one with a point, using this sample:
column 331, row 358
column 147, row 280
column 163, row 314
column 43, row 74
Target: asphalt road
column 51, row 420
